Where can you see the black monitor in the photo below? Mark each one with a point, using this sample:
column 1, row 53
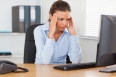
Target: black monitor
column 106, row 51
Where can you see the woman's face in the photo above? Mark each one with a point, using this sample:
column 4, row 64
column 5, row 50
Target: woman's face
column 63, row 19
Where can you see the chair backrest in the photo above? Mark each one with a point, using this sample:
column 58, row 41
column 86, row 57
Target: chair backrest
column 30, row 48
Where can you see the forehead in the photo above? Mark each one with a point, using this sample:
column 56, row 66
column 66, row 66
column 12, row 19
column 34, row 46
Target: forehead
column 62, row 14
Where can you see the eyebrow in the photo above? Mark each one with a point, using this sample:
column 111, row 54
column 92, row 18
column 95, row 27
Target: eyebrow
column 63, row 18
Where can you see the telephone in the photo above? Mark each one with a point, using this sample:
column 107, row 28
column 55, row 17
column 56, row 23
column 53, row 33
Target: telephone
column 8, row 66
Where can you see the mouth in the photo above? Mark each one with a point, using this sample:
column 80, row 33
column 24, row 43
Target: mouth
column 62, row 27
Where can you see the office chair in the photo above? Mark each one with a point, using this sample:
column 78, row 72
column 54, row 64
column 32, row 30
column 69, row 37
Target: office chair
column 30, row 48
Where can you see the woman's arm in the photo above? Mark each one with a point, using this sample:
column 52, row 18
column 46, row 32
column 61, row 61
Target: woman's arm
column 75, row 53
column 44, row 48
column 74, row 48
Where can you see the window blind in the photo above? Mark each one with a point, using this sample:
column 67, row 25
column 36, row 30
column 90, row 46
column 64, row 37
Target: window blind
column 91, row 15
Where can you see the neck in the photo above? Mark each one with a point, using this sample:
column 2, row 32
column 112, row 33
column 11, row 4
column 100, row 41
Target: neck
column 58, row 31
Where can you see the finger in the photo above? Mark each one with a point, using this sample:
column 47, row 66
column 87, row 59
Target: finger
column 55, row 17
column 52, row 16
column 71, row 20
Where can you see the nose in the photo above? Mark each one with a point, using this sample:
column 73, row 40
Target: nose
column 65, row 23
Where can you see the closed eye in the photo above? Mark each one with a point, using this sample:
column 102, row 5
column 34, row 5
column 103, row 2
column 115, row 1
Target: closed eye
column 61, row 19
column 68, row 19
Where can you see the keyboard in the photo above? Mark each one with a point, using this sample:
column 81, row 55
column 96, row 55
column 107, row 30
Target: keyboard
column 75, row 66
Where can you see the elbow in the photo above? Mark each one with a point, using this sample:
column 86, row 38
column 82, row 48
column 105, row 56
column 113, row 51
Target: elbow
column 78, row 59
column 45, row 62
column 41, row 61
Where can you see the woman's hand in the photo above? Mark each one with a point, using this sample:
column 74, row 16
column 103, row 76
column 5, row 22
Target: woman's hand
column 52, row 27
column 71, row 27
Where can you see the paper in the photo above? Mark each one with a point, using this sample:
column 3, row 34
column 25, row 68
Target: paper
column 33, row 13
column 21, row 13
column 109, row 69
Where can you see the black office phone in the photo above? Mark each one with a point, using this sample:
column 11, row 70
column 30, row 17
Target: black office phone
column 8, row 66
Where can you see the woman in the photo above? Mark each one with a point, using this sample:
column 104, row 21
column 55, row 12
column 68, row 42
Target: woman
column 57, row 38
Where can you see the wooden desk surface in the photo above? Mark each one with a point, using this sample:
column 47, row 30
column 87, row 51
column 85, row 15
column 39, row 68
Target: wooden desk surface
column 48, row 71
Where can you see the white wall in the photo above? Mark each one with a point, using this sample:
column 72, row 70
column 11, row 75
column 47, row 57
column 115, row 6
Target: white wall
column 15, row 42
column 89, row 49
column 6, row 11
column 11, row 42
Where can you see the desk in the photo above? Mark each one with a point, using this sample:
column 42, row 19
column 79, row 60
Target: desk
column 48, row 71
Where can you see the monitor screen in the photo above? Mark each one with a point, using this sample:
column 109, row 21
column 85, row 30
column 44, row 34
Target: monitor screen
column 106, row 50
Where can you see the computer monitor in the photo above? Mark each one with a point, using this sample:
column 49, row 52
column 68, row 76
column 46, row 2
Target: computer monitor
column 106, row 50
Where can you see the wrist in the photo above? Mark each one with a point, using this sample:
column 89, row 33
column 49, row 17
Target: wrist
column 51, row 36
column 72, row 34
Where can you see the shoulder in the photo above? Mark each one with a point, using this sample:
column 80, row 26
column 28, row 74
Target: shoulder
column 38, row 28
column 41, row 27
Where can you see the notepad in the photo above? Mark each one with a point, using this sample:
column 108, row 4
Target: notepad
column 109, row 69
